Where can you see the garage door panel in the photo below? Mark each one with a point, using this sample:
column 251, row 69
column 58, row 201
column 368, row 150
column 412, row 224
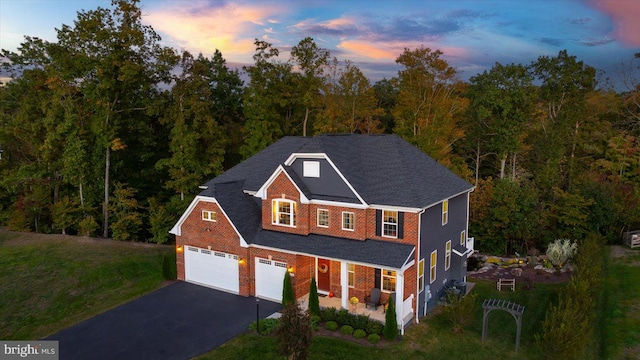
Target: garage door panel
column 212, row 268
column 269, row 279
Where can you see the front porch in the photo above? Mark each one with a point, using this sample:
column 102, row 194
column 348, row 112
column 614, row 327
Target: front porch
column 360, row 308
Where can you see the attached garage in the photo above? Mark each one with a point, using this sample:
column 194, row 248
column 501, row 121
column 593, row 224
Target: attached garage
column 212, row 268
column 269, row 279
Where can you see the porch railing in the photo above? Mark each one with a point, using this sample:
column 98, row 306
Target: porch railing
column 407, row 306
column 470, row 242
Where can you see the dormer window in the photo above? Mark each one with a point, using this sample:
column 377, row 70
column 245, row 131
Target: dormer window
column 311, row 169
column 390, row 223
column 283, row 212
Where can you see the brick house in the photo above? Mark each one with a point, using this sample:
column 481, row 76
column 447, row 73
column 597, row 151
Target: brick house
column 355, row 212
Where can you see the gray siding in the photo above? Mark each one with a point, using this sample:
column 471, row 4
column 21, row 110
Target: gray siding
column 328, row 184
column 434, row 236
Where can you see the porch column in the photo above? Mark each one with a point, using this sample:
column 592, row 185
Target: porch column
column 400, row 300
column 344, row 284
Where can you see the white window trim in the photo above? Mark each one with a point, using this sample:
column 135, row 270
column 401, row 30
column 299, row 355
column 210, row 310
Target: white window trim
column 383, row 276
column 349, row 271
column 463, row 238
column 445, row 213
column 318, row 218
column 384, row 222
column 447, row 256
column 353, row 222
column 276, row 210
column 433, row 266
column 421, row 276
column 208, row 215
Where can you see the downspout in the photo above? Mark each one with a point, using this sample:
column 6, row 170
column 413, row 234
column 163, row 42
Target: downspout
column 417, row 274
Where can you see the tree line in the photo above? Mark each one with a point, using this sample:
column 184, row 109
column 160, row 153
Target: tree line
column 107, row 132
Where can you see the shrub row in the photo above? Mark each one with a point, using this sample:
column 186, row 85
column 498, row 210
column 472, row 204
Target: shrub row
column 348, row 330
column 343, row 317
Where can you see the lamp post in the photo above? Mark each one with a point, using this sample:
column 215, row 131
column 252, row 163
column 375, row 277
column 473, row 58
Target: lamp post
column 258, row 315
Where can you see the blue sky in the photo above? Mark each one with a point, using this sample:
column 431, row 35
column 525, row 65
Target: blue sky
column 473, row 35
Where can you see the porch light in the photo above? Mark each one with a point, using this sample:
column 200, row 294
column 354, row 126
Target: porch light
column 179, row 248
column 290, row 269
column 241, row 261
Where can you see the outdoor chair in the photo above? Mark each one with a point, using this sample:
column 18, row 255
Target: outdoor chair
column 373, row 299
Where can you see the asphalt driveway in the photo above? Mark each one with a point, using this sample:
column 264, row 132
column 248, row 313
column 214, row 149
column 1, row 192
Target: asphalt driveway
column 179, row 321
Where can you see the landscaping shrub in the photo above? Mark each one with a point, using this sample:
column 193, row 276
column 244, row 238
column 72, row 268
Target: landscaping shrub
column 331, row 325
column 294, row 335
column 360, row 321
column 373, row 338
column 343, row 317
column 390, row 330
column 314, row 302
column 328, row 314
column 374, row 327
column 359, row 333
column 266, row 326
column 169, row 266
column 315, row 322
column 460, row 312
column 346, row 329
column 288, row 296
column 561, row 250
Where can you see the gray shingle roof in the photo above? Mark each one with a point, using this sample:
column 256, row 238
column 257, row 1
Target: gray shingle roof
column 383, row 169
column 375, row 252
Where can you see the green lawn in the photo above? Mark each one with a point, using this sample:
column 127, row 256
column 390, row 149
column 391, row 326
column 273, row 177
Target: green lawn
column 432, row 338
column 620, row 336
column 49, row 282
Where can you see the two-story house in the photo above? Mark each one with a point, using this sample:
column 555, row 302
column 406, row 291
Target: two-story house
column 356, row 212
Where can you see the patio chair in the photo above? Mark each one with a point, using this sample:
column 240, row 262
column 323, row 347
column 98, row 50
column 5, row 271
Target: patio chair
column 373, row 299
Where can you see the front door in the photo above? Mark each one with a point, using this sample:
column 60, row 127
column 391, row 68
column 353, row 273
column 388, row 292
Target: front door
column 324, row 275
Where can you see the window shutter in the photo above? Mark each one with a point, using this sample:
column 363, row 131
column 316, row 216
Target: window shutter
column 400, row 225
column 377, row 280
column 378, row 223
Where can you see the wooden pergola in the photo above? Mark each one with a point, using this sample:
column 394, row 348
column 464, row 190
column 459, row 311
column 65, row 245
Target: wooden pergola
column 514, row 309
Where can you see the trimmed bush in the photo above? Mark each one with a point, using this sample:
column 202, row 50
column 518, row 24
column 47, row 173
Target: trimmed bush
column 328, row 314
column 343, row 317
column 373, row 338
column 346, row 329
column 315, row 322
column 314, row 302
column 288, row 296
column 331, row 325
column 360, row 322
column 374, row 327
column 359, row 333
column 390, row 330
column 266, row 326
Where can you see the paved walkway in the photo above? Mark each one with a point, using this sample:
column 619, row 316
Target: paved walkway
column 179, row 321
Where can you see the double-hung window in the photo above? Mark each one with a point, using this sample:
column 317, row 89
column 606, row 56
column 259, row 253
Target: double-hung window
column 421, row 275
column 390, row 223
column 209, row 215
column 388, row 278
column 445, row 212
column 463, row 238
column 283, row 212
column 348, row 220
column 323, row 218
column 432, row 269
column 447, row 256
column 351, row 274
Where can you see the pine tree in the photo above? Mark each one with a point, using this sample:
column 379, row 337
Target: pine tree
column 314, row 302
column 288, row 296
column 390, row 330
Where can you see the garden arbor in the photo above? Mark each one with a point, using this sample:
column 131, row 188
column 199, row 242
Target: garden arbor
column 514, row 309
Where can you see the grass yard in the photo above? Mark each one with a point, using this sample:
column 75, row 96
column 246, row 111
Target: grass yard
column 432, row 338
column 620, row 336
column 50, row 282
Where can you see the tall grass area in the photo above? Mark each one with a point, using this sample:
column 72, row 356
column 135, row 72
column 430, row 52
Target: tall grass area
column 50, row 282
column 619, row 311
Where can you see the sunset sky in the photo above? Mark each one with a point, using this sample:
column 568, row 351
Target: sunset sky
column 473, row 35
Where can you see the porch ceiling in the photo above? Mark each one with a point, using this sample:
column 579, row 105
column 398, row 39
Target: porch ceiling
column 373, row 252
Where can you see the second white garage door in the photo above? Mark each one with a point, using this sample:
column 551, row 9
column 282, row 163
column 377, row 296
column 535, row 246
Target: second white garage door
column 269, row 279
column 212, row 268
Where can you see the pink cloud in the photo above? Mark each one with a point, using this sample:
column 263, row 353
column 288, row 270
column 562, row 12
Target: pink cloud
column 197, row 27
column 366, row 50
column 625, row 15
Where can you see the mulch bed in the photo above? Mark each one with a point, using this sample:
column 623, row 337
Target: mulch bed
column 535, row 276
column 384, row 343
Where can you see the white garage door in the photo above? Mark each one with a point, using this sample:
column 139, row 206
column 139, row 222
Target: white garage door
column 269, row 279
column 212, row 268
